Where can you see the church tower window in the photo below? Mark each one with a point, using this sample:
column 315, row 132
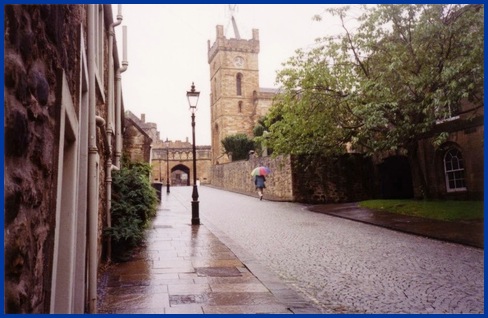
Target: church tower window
column 239, row 84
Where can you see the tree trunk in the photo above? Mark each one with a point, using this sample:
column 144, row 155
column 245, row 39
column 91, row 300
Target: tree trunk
column 421, row 189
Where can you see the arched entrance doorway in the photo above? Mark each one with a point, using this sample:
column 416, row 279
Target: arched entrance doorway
column 396, row 178
column 180, row 175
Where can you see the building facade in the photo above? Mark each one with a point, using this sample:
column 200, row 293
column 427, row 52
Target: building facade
column 63, row 127
column 455, row 169
column 236, row 100
column 137, row 138
column 173, row 158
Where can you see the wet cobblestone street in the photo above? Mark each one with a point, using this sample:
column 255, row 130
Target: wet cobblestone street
column 346, row 266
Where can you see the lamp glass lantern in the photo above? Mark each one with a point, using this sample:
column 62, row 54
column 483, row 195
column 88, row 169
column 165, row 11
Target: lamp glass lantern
column 193, row 96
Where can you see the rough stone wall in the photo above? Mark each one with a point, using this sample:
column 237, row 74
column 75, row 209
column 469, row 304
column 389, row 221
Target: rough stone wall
column 309, row 180
column 236, row 176
column 136, row 144
column 348, row 178
column 149, row 128
column 34, row 51
column 41, row 42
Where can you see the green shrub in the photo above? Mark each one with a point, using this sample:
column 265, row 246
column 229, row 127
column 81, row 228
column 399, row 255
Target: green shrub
column 238, row 146
column 134, row 203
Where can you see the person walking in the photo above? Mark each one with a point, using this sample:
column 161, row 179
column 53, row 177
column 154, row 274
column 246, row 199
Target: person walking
column 259, row 181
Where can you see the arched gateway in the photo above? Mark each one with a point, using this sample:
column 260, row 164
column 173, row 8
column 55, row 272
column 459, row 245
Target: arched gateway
column 176, row 158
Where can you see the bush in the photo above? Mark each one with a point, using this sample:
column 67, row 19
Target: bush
column 134, row 203
column 238, row 146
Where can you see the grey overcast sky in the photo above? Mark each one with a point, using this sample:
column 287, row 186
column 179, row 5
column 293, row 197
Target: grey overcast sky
column 167, row 51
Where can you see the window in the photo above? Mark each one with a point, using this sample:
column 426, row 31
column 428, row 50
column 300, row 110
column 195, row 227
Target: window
column 240, row 106
column 454, row 170
column 447, row 113
column 239, row 84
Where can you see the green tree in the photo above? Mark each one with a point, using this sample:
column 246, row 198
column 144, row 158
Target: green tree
column 237, row 146
column 383, row 86
column 260, row 133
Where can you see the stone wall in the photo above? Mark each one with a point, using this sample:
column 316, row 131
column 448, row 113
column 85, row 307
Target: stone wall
column 45, row 186
column 34, row 52
column 347, row 178
column 236, row 176
column 136, row 143
column 303, row 179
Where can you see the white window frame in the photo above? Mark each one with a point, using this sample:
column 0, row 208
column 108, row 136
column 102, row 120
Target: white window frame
column 449, row 172
column 447, row 117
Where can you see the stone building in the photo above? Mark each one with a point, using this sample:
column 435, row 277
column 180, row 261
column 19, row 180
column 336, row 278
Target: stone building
column 63, row 126
column 138, row 137
column 167, row 157
column 176, row 158
column 455, row 170
column 236, row 100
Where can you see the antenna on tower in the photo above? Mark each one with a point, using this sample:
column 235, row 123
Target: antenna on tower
column 232, row 9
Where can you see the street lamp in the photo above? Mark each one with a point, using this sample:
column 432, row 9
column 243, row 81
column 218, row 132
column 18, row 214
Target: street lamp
column 167, row 164
column 192, row 96
column 159, row 159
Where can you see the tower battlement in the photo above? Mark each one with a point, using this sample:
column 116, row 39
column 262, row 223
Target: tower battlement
column 235, row 45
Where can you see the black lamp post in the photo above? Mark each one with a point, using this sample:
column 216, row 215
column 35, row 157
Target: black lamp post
column 167, row 164
column 159, row 159
column 192, row 96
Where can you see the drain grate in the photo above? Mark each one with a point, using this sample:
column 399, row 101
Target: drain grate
column 162, row 226
column 187, row 299
column 218, row 271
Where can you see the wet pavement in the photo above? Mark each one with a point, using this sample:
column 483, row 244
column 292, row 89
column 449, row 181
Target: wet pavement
column 470, row 233
column 202, row 269
column 186, row 269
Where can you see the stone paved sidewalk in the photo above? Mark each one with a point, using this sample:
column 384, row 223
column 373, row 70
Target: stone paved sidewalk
column 187, row 269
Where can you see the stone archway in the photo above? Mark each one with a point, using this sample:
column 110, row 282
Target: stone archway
column 180, row 175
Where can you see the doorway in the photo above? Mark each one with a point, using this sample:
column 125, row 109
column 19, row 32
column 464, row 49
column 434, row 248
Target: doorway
column 395, row 178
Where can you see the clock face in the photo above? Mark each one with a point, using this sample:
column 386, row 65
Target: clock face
column 238, row 61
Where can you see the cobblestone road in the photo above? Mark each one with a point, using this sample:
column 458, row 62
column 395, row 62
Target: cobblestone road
column 344, row 266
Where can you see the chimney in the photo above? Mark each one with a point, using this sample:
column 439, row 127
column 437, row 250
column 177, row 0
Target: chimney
column 143, row 118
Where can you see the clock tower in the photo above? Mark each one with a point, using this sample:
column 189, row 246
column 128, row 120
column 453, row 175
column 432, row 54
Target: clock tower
column 234, row 82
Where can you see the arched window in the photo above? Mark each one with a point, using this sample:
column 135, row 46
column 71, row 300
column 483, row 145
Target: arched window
column 240, row 107
column 454, row 170
column 239, row 84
